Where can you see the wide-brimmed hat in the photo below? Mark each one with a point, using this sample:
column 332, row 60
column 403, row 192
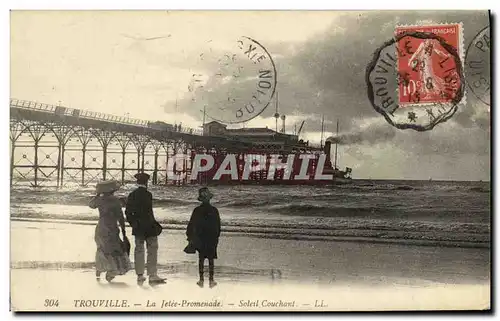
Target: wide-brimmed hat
column 107, row 186
column 204, row 194
column 142, row 176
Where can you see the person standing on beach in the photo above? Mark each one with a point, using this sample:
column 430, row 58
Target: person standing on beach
column 111, row 254
column 145, row 228
column 203, row 233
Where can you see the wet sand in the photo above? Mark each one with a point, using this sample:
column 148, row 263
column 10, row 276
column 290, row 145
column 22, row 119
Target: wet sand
column 55, row 260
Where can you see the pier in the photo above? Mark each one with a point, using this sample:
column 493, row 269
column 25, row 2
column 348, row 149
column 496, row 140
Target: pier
column 59, row 146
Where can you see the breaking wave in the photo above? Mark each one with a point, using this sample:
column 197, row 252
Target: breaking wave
column 374, row 231
column 421, row 212
column 479, row 189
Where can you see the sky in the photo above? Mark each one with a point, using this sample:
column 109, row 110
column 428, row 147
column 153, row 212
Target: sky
column 141, row 64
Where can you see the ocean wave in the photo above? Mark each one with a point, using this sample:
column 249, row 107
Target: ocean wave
column 374, row 231
column 241, row 197
column 327, row 210
column 305, row 209
column 387, row 210
column 82, row 199
column 244, row 203
column 159, row 202
column 422, row 187
column 377, row 187
column 396, row 188
column 299, row 223
column 479, row 189
column 404, row 188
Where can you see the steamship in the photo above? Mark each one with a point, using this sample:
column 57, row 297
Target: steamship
column 267, row 142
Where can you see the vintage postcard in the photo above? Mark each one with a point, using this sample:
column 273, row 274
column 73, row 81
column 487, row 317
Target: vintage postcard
column 250, row 161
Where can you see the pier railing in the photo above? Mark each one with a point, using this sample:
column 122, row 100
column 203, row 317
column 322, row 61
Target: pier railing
column 72, row 112
column 79, row 113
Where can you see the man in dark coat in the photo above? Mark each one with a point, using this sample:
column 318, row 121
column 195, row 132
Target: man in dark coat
column 203, row 232
column 145, row 228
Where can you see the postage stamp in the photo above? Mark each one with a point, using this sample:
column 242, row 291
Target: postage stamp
column 477, row 66
column 416, row 80
column 425, row 64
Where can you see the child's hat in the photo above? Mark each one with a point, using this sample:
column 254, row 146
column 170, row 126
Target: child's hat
column 204, row 194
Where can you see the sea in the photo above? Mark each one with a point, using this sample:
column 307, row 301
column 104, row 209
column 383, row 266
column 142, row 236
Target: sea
column 436, row 213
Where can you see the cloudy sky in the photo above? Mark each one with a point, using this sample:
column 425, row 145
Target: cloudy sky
column 142, row 63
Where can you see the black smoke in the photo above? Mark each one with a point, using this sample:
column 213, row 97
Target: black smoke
column 379, row 132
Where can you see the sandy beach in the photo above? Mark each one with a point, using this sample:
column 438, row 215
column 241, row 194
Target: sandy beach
column 253, row 274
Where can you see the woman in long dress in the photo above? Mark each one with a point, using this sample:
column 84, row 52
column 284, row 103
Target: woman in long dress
column 111, row 255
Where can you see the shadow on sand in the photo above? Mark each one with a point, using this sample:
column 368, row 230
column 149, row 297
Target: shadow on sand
column 156, row 285
column 113, row 284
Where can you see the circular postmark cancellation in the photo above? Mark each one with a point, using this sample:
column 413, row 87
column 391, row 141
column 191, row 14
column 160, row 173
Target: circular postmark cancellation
column 243, row 84
column 416, row 80
column 477, row 66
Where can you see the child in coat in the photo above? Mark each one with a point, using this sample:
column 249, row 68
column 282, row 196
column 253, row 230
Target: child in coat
column 203, row 233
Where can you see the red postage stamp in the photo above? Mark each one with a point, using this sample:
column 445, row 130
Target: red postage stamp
column 429, row 63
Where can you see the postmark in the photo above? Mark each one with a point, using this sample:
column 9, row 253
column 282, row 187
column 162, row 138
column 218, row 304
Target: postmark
column 416, row 79
column 242, row 85
column 477, row 66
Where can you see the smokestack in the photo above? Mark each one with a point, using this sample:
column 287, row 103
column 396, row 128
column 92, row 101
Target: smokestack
column 276, row 114
column 327, row 150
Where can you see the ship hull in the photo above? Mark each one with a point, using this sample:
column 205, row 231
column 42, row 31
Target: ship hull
column 316, row 170
column 342, row 181
column 337, row 181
